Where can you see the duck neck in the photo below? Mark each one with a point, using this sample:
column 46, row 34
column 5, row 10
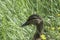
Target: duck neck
column 39, row 29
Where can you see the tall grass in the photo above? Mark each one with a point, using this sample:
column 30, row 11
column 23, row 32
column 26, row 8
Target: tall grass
column 13, row 13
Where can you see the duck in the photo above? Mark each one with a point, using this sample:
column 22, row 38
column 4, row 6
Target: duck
column 38, row 22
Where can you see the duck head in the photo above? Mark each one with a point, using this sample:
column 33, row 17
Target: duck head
column 33, row 19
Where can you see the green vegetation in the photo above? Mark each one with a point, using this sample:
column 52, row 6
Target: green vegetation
column 13, row 13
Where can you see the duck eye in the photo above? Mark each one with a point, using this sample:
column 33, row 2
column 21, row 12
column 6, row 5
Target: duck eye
column 36, row 21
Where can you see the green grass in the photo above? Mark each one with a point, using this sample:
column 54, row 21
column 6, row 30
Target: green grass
column 13, row 13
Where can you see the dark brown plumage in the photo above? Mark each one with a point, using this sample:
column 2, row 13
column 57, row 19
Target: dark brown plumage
column 35, row 20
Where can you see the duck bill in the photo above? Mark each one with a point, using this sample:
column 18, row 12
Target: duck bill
column 25, row 24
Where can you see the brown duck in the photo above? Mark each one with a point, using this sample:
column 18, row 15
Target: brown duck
column 38, row 22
